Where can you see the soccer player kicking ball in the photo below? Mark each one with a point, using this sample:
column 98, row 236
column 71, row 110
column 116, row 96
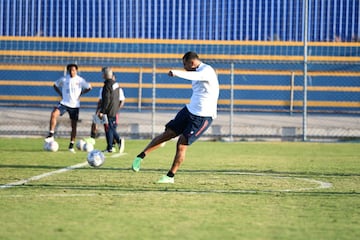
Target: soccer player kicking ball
column 192, row 120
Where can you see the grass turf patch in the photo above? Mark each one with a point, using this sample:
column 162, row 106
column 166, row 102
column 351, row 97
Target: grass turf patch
column 222, row 191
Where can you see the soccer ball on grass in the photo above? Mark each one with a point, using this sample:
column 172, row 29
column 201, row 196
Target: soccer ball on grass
column 88, row 147
column 84, row 145
column 96, row 158
column 80, row 145
column 52, row 146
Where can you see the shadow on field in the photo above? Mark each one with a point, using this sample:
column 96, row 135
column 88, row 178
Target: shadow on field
column 235, row 172
column 110, row 190
column 145, row 186
column 193, row 171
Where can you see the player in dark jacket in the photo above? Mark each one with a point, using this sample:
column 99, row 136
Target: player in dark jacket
column 109, row 107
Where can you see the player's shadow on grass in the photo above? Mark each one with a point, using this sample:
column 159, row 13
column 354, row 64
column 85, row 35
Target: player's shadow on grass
column 192, row 171
column 235, row 172
column 156, row 188
column 268, row 172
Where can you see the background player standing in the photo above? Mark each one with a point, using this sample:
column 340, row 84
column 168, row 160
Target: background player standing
column 70, row 88
column 109, row 106
column 94, row 133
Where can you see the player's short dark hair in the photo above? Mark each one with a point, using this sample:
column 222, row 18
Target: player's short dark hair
column 190, row 56
column 69, row 66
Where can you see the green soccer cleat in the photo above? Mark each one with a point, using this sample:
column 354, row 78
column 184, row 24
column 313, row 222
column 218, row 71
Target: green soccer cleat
column 136, row 164
column 166, row 179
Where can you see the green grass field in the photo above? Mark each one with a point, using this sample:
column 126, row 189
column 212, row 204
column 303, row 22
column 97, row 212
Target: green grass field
column 244, row 190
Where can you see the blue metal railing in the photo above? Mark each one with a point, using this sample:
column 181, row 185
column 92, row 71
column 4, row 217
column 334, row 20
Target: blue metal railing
column 259, row 20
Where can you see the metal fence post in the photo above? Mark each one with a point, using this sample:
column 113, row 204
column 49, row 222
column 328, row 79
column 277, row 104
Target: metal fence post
column 231, row 102
column 153, row 115
column 305, row 21
column 292, row 82
column 140, row 89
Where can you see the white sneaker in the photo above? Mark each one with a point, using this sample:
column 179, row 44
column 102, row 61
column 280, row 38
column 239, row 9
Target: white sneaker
column 72, row 150
column 49, row 139
column 113, row 149
column 122, row 145
column 166, row 179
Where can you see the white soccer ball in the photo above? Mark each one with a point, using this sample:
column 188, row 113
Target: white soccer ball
column 51, row 146
column 46, row 146
column 80, row 145
column 96, row 158
column 88, row 147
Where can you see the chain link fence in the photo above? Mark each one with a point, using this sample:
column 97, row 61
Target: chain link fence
column 288, row 70
column 243, row 115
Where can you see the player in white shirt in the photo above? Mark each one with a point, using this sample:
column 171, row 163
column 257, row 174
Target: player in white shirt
column 70, row 88
column 191, row 121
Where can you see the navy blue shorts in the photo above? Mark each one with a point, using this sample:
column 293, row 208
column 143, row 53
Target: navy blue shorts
column 189, row 125
column 73, row 112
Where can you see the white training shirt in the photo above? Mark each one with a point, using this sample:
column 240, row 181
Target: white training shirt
column 205, row 87
column 71, row 90
column 121, row 93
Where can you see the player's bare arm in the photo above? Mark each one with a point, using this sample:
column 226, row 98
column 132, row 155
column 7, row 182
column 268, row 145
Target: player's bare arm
column 84, row 91
column 57, row 89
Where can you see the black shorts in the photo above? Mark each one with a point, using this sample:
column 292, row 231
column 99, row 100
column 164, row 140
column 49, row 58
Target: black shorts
column 73, row 112
column 189, row 125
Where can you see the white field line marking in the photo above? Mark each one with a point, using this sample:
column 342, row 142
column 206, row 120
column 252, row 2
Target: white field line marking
column 322, row 185
column 118, row 155
column 34, row 178
column 38, row 177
